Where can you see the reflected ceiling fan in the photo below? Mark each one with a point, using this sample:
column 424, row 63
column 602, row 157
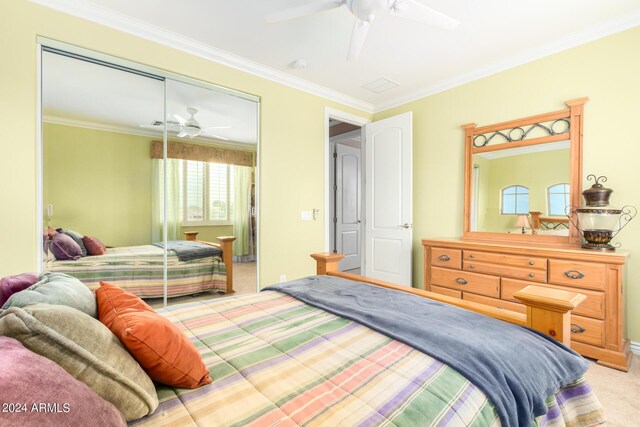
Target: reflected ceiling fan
column 187, row 127
column 366, row 11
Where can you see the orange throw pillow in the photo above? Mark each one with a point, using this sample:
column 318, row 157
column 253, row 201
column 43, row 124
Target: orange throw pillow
column 163, row 351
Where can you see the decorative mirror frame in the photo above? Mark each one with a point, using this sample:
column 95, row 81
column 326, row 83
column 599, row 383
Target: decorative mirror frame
column 575, row 115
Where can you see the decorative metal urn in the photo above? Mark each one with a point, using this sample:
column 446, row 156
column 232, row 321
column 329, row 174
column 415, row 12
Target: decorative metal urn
column 597, row 221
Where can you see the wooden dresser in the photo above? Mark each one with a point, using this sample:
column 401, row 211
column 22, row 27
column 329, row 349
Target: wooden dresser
column 490, row 273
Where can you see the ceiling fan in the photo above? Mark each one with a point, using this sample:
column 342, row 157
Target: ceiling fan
column 187, row 127
column 366, row 11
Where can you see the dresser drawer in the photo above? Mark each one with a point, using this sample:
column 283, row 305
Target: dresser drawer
column 465, row 281
column 588, row 331
column 505, row 271
column 530, row 263
column 494, row 302
column 451, row 258
column 593, row 306
column 578, row 274
column 446, row 291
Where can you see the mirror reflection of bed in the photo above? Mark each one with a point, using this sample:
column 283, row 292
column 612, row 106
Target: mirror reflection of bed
column 112, row 200
column 522, row 190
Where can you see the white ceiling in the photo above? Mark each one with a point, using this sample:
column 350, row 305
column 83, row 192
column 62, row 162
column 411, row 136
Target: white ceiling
column 81, row 93
column 493, row 35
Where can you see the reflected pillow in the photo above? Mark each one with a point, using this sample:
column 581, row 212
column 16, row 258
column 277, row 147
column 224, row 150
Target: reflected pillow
column 163, row 351
column 94, row 246
column 77, row 237
column 13, row 284
column 87, row 350
column 57, row 289
column 65, row 248
column 51, row 232
column 29, row 379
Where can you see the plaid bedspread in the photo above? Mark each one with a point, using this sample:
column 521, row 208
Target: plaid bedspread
column 138, row 269
column 277, row 361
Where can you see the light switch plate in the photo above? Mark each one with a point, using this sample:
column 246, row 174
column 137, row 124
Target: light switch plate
column 306, row 215
column 316, row 213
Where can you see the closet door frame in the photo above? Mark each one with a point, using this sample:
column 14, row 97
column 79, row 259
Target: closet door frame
column 43, row 44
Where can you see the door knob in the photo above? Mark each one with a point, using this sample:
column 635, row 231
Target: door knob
column 405, row 225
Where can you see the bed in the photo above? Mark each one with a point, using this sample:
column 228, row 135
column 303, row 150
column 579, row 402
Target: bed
column 139, row 269
column 278, row 360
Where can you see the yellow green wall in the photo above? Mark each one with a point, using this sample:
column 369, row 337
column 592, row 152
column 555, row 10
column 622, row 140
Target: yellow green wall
column 99, row 183
column 536, row 171
column 291, row 132
column 606, row 70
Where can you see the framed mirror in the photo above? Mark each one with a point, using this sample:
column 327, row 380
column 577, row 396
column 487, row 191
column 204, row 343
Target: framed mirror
column 521, row 175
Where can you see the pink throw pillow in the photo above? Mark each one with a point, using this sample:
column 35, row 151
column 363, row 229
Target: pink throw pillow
column 37, row 392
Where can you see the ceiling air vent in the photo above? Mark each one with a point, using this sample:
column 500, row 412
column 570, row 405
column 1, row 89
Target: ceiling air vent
column 380, row 85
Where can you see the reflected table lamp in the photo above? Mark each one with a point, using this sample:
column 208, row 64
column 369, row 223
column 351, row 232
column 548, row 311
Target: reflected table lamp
column 523, row 222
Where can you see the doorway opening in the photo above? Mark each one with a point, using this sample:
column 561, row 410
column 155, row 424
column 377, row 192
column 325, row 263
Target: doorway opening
column 346, row 196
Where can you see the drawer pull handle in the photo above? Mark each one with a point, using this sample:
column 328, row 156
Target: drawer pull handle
column 577, row 329
column 461, row 281
column 531, row 274
column 472, row 256
column 472, row 266
column 444, row 258
column 531, row 263
column 574, row 274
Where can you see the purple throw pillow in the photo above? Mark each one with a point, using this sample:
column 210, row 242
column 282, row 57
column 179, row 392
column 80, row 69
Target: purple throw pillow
column 64, row 247
column 13, row 284
column 37, row 392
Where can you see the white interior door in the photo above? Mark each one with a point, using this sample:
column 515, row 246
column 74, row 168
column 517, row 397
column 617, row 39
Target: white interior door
column 388, row 199
column 348, row 196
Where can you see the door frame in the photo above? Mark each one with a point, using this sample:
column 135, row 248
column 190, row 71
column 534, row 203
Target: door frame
column 343, row 116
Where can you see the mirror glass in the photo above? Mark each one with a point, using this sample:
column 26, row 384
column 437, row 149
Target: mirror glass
column 133, row 166
column 514, row 188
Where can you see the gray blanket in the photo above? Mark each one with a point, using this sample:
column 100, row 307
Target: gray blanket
column 515, row 367
column 187, row 250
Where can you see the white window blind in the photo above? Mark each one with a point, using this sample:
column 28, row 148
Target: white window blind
column 207, row 192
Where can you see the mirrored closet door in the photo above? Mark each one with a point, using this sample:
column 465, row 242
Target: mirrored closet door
column 148, row 180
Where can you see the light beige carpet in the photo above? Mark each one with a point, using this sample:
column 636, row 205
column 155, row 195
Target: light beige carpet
column 619, row 393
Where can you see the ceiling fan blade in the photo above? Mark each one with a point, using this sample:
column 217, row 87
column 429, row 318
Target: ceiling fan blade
column 182, row 134
column 303, row 10
column 214, row 135
column 157, row 127
column 417, row 11
column 180, row 120
column 359, row 35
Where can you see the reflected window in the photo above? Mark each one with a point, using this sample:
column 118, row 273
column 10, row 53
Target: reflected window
column 515, row 200
column 206, row 193
column 558, row 197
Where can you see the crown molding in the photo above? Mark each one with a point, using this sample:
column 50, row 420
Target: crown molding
column 605, row 29
column 108, row 18
column 140, row 132
column 150, row 32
